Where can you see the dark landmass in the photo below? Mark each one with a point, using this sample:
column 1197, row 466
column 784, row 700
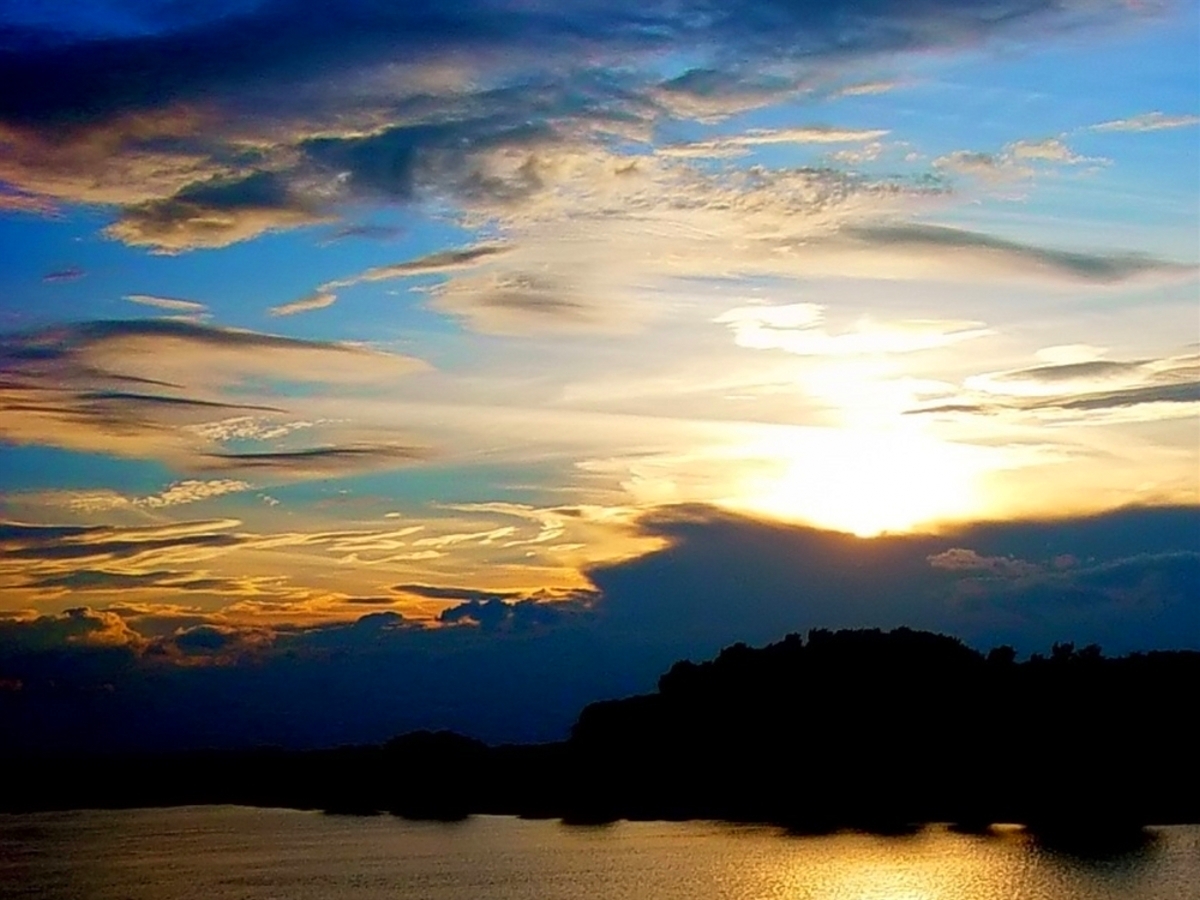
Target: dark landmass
column 863, row 729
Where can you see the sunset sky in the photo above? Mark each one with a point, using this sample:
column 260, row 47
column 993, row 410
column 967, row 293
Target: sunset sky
column 461, row 338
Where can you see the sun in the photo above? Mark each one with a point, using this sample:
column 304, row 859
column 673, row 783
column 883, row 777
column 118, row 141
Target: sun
column 867, row 481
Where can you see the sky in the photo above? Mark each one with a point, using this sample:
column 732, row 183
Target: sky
column 389, row 365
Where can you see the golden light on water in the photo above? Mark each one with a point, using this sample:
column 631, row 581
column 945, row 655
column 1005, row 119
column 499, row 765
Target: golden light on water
column 934, row 864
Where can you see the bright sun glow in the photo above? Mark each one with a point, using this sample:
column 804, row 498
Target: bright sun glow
column 867, row 481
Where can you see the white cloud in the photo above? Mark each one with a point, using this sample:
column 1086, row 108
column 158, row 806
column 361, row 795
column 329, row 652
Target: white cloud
column 739, row 144
column 191, row 491
column 796, row 328
column 318, row 300
column 171, row 304
column 1151, row 121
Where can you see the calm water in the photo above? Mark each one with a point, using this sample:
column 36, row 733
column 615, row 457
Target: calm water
column 222, row 853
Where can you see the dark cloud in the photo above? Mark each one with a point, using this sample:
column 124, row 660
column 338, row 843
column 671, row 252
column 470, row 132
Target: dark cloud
column 216, row 212
column 314, row 461
column 14, row 535
column 270, row 116
column 205, row 638
column 521, row 670
column 116, row 546
column 726, row 576
column 496, row 614
column 284, row 40
column 128, row 402
column 68, row 343
column 1188, row 392
column 290, row 40
column 365, row 232
column 1094, row 369
column 436, row 592
column 91, row 579
column 74, row 273
column 1082, row 387
column 212, row 643
column 944, row 408
column 102, row 580
column 74, row 628
column 1086, row 266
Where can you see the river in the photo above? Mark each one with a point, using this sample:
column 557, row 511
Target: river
column 239, row 853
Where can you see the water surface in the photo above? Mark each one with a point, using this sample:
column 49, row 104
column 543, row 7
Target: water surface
column 237, row 853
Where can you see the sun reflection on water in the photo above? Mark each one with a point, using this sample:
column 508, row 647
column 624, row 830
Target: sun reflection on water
column 934, row 864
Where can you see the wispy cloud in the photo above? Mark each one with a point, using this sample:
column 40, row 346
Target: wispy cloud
column 868, row 88
column 739, row 144
column 71, row 386
column 318, row 300
column 72, row 273
column 431, row 264
column 1093, row 391
column 171, row 304
column 1151, row 121
column 175, row 494
column 317, row 462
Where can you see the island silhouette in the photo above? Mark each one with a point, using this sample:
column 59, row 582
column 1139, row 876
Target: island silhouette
column 842, row 729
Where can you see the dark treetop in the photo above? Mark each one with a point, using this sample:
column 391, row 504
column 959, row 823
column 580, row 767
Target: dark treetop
column 850, row 728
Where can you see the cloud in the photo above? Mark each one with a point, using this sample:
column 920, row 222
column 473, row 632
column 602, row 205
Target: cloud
column 1151, row 121
column 659, row 221
column 495, row 614
column 868, row 88
column 281, row 43
column 211, row 643
column 366, row 232
column 12, row 200
column 221, row 128
column 1027, row 583
column 1090, row 391
column 1049, row 150
column 73, row 273
column 1061, row 378
column 250, row 428
column 958, row 559
column 171, row 304
column 69, row 386
column 173, row 352
column 180, row 492
column 430, row 264
column 740, row 144
column 1124, row 580
column 937, row 250
column 1017, row 161
column 317, row 462
column 436, row 592
column 216, row 213
column 192, row 491
column 78, row 626
column 318, row 300
column 1183, row 393
column 796, row 328
column 1093, row 376
column 91, row 579
column 104, row 544
column 662, row 221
